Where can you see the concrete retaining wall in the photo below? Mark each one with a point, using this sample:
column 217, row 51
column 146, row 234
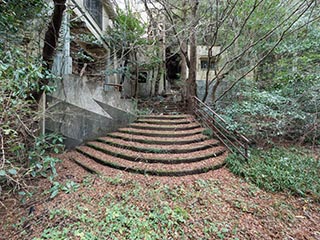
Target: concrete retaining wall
column 81, row 110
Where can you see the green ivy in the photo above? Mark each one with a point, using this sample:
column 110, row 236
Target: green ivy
column 25, row 153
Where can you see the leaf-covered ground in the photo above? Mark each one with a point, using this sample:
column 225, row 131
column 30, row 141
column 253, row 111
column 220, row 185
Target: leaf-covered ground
column 215, row 205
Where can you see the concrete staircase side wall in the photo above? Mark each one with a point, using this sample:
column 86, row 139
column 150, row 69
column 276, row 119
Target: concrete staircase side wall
column 81, row 110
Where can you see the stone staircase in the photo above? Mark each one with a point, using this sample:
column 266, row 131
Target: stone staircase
column 163, row 106
column 163, row 145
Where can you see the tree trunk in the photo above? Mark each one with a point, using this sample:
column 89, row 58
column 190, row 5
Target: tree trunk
column 157, row 81
column 50, row 43
column 207, row 75
column 52, row 34
column 191, row 82
column 183, row 72
column 214, row 89
column 136, row 82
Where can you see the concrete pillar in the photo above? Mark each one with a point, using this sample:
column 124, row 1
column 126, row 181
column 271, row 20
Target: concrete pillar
column 62, row 62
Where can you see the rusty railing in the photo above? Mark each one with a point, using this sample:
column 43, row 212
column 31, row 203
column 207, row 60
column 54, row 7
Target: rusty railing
column 232, row 139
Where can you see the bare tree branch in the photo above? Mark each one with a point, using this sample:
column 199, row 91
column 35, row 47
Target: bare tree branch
column 265, row 56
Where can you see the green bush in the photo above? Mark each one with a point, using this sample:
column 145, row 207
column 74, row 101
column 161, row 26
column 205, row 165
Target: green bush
column 266, row 115
column 282, row 100
column 119, row 220
column 208, row 132
column 279, row 169
column 24, row 152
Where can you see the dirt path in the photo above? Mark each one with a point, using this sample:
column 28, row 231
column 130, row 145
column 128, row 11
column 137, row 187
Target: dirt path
column 214, row 205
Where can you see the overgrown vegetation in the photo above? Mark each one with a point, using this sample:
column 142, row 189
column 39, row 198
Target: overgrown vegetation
column 278, row 102
column 136, row 54
column 292, row 170
column 208, row 132
column 24, row 151
column 118, row 220
column 281, row 103
column 120, row 208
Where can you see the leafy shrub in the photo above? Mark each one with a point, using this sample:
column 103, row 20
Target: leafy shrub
column 24, row 153
column 279, row 169
column 208, row 132
column 282, row 101
column 265, row 115
column 119, row 220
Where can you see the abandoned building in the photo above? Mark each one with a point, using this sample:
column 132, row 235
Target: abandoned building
column 87, row 103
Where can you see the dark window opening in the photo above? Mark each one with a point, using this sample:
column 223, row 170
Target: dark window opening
column 94, row 7
column 142, row 78
column 204, row 64
column 173, row 67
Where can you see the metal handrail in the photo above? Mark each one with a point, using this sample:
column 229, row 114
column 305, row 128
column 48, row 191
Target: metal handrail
column 233, row 140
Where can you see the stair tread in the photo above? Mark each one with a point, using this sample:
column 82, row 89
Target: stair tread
column 163, row 145
column 153, row 168
column 157, row 126
column 169, row 139
column 174, row 157
column 162, row 132
column 146, row 146
column 166, row 121
column 159, row 140
column 168, row 116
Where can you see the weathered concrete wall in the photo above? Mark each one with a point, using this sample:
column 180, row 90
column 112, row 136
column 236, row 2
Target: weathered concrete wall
column 202, row 53
column 145, row 89
column 201, row 87
column 81, row 110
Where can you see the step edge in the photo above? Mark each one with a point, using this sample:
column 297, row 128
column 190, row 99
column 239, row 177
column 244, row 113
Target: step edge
column 173, row 173
column 160, row 134
column 159, row 150
column 159, row 141
column 156, row 160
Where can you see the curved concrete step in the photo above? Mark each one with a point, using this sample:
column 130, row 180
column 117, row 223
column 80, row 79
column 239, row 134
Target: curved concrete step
column 165, row 121
column 179, row 127
column 159, row 140
column 145, row 147
column 167, row 117
column 86, row 163
column 92, row 159
column 161, row 133
column 171, row 158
